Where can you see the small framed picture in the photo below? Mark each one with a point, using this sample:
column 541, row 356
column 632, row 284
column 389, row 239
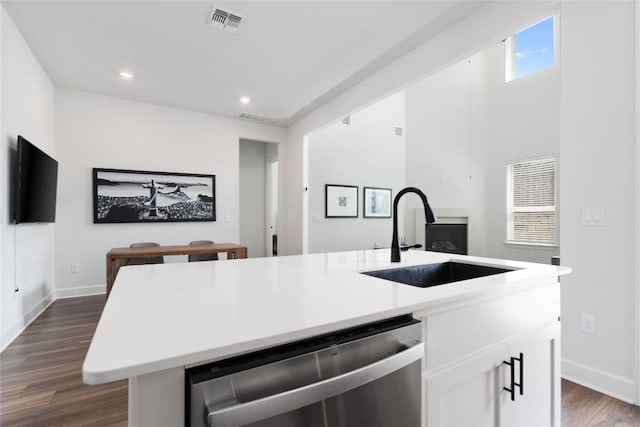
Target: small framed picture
column 341, row 201
column 377, row 202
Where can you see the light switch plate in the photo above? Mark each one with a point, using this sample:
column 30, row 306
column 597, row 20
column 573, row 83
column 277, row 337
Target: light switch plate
column 593, row 216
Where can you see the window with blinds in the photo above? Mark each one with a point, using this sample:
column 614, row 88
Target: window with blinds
column 531, row 201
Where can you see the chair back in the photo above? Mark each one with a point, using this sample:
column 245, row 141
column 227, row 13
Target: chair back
column 202, row 257
column 146, row 260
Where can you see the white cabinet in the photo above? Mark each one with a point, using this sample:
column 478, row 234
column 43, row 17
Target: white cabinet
column 466, row 393
column 539, row 404
column 464, row 383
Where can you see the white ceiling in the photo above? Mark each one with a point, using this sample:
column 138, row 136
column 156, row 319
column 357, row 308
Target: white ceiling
column 288, row 56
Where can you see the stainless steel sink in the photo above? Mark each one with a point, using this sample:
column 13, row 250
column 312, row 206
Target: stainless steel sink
column 424, row 276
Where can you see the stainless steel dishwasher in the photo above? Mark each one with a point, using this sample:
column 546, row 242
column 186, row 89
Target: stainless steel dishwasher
column 365, row 376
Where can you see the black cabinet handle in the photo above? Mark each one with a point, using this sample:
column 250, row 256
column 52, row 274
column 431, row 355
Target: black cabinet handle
column 521, row 384
column 512, row 386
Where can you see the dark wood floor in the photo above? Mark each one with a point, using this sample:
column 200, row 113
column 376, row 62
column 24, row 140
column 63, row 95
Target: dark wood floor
column 40, row 372
column 584, row 407
column 41, row 380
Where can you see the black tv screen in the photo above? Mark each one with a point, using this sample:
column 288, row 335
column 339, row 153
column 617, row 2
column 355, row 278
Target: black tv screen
column 36, row 181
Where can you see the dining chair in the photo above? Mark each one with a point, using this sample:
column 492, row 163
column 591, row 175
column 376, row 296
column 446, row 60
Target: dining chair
column 146, row 260
column 202, row 257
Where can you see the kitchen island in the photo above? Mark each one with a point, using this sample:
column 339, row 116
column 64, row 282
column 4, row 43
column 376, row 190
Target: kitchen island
column 161, row 319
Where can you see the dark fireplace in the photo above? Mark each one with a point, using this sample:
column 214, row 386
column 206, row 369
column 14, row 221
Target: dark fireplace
column 450, row 238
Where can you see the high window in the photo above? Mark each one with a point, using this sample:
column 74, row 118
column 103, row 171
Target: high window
column 531, row 201
column 530, row 50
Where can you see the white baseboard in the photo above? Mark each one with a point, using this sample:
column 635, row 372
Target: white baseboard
column 13, row 332
column 81, row 291
column 613, row 385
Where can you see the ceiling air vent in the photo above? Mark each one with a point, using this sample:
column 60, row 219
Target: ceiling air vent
column 258, row 119
column 225, row 19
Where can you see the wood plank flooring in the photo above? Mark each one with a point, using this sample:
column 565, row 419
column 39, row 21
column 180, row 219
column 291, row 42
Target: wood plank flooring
column 41, row 380
column 40, row 372
column 583, row 407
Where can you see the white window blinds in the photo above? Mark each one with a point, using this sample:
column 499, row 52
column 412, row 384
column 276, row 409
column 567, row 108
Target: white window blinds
column 532, row 201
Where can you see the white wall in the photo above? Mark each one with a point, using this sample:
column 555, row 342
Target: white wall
column 490, row 23
column 365, row 153
column 446, row 146
column 464, row 124
column 637, row 216
column 4, row 204
column 523, row 122
column 26, row 250
column 272, row 197
column 106, row 132
column 253, row 170
column 598, row 169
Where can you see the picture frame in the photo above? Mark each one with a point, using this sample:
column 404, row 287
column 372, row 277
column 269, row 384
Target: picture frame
column 376, row 202
column 133, row 196
column 341, row 201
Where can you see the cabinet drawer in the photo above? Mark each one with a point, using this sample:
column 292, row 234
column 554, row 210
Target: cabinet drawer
column 454, row 334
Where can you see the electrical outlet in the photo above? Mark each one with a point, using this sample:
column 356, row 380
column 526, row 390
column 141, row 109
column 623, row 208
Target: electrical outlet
column 75, row 268
column 588, row 323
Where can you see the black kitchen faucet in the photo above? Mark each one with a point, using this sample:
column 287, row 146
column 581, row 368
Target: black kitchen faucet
column 428, row 214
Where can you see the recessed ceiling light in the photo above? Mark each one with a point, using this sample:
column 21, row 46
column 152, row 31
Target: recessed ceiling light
column 126, row 75
column 245, row 99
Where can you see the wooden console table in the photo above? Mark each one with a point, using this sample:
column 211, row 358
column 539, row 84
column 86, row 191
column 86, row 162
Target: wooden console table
column 117, row 257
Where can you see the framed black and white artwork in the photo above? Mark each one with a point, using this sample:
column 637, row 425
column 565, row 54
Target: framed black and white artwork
column 377, row 202
column 341, row 201
column 123, row 196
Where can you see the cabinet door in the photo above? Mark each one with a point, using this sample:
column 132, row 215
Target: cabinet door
column 465, row 394
column 472, row 393
column 539, row 404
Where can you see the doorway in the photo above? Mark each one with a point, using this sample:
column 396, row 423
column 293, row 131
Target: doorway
column 258, row 197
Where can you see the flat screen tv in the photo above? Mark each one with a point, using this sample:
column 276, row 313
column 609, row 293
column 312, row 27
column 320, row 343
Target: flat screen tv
column 36, row 181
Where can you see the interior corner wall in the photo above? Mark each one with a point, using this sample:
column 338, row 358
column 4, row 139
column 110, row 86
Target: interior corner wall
column 366, row 153
column 26, row 250
column 97, row 131
column 598, row 169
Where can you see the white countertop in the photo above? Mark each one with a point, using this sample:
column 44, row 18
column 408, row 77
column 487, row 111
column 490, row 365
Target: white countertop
column 169, row 315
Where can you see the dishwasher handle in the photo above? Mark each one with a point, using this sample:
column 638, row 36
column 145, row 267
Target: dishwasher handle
column 266, row 407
